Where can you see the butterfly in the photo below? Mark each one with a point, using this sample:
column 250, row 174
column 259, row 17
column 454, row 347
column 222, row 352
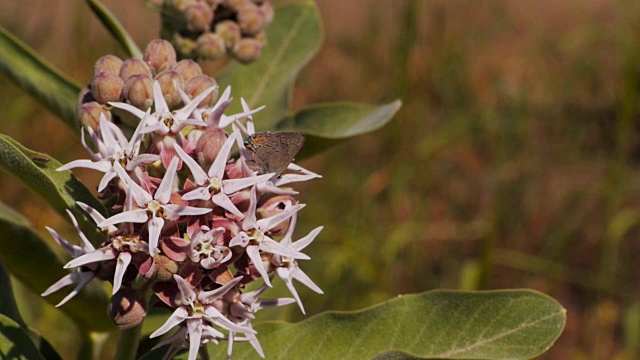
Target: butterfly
column 272, row 152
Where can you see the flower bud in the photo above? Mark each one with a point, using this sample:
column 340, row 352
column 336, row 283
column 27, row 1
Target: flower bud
column 247, row 50
column 261, row 38
column 267, row 10
column 198, row 16
column 138, row 90
column 251, row 19
column 168, row 80
column 181, row 4
column 89, row 114
column 234, row 4
column 210, row 46
column 132, row 67
column 209, row 145
column 107, row 87
column 108, row 64
column 160, row 55
column 184, row 45
column 229, row 31
column 274, row 205
column 187, row 69
column 197, row 85
column 126, row 308
column 85, row 96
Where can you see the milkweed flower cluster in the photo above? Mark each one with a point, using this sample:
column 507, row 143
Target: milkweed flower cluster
column 211, row 29
column 190, row 222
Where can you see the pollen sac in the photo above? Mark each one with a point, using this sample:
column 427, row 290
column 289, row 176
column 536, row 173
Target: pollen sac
column 210, row 29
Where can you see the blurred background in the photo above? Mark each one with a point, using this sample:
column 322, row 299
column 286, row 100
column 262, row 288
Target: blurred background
column 513, row 163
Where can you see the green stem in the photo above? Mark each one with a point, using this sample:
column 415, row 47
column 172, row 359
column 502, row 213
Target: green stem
column 128, row 343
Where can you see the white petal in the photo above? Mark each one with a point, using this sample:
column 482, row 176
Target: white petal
column 254, row 255
column 198, row 174
column 133, row 216
column 121, row 266
column 155, row 228
column 102, row 254
column 178, row 316
column 188, row 295
column 223, row 200
column 201, row 193
column 230, row 186
column 163, row 193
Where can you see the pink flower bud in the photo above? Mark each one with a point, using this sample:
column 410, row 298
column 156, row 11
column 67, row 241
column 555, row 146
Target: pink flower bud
column 109, row 64
column 138, row 91
column 167, row 80
column 89, row 114
column 247, row 50
column 209, row 145
column 181, row 4
column 229, row 31
column 234, row 4
column 267, row 10
column 251, row 19
column 187, row 69
column 85, row 96
column 132, row 67
column 198, row 16
column 126, row 308
column 160, row 55
column 210, row 46
column 107, row 87
column 197, row 85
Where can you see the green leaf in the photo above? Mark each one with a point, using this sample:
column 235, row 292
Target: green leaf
column 518, row 324
column 292, row 39
column 9, row 309
column 328, row 124
column 39, row 78
column 15, row 343
column 31, row 261
column 60, row 189
column 115, row 28
column 8, row 305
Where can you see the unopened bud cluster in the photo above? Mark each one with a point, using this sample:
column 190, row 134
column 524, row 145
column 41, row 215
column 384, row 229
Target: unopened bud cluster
column 131, row 81
column 189, row 221
column 211, row 29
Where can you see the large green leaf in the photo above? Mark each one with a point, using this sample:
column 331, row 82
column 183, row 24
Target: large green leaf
column 60, row 189
column 115, row 28
column 15, row 343
column 518, row 324
column 292, row 39
column 39, row 78
column 31, row 261
column 9, row 309
column 328, row 124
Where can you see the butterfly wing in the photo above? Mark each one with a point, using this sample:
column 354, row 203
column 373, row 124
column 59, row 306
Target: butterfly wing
column 273, row 152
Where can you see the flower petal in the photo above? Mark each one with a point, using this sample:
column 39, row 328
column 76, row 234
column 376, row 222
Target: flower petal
column 178, row 316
